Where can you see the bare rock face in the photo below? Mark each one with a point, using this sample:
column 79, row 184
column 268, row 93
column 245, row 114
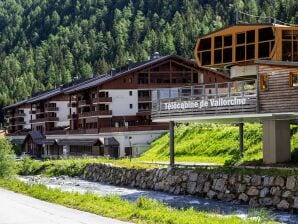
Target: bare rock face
column 269, row 191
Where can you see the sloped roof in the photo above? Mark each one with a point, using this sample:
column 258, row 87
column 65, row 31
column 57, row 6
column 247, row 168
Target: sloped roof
column 132, row 68
column 110, row 141
column 46, row 95
column 15, row 105
column 87, row 142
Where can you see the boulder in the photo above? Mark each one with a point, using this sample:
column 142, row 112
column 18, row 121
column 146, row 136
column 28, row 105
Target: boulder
column 253, row 191
column 264, row 192
column 283, row 205
column 243, row 197
column 256, row 180
column 291, row 181
column 279, row 181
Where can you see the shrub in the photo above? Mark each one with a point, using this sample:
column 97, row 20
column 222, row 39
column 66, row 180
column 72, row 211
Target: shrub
column 7, row 159
column 29, row 166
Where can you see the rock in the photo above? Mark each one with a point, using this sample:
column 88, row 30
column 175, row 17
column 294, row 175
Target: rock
column 241, row 188
column 253, row 202
column 279, row 181
column 256, row 180
column 246, row 179
column 275, row 191
column 232, row 180
column 295, row 202
column 191, row 187
column 193, row 177
column 219, row 185
column 177, row 190
column 243, row 197
column 211, row 194
column 286, row 194
column 275, row 200
column 268, row 181
column 283, row 205
column 265, row 201
column 206, row 187
column 252, row 191
column 264, row 192
column 291, row 183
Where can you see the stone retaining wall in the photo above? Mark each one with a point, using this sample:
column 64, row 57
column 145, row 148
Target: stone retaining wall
column 255, row 190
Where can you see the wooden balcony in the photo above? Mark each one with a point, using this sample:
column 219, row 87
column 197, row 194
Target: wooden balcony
column 135, row 128
column 51, row 109
column 73, row 104
column 84, row 103
column 19, row 122
column 45, row 119
column 102, row 100
column 56, row 132
column 95, row 113
column 83, row 131
column 144, row 112
column 144, row 98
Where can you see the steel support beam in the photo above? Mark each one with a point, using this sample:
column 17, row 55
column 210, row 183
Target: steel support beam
column 172, row 137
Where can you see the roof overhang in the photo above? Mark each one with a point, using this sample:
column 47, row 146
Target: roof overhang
column 235, row 118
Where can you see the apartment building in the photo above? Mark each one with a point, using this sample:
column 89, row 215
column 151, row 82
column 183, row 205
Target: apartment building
column 109, row 115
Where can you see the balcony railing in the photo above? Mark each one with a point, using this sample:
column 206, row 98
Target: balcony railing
column 45, row 119
column 205, row 100
column 144, row 98
column 51, row 109
column 120, row 129
column 83, row 103
column 95, row 113
column 102, row 100
column 144, row 112
column 135, row 128
column 73, row 104
column 19, row 122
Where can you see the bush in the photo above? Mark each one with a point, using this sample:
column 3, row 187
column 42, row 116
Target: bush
column 7, row 159
column 29, row 166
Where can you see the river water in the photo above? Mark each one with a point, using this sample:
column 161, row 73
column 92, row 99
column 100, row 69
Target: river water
column 177, row 201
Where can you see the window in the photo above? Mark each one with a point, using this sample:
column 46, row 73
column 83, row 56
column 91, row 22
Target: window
column 130, row 93
column 263, row 82
column 293, row 79
column 130, row 106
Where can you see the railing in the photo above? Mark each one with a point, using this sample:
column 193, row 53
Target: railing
column 95, row 113
column 83, row 131
column 19, row 122
column 51, row 109
column 143, row 112
column 45, row 119
column 135, row 128
column 102, row 100
column 73, row 104
column 82, row 103
column 144, row 98
column 208, row 99
column 56, row 132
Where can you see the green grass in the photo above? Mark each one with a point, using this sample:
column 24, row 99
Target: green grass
column 213, row 144
column 144, row 210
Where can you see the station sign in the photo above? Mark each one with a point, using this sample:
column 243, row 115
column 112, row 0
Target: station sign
column 201, row 104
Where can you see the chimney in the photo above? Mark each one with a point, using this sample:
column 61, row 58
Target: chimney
column 113, row 71
column 129, row 62
column 154, row 56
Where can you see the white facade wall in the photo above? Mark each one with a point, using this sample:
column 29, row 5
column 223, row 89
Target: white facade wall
column 62, row 113
column 121, row 101
column 27, row 118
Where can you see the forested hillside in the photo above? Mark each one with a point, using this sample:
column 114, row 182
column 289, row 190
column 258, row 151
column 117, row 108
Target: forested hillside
column 45, row 43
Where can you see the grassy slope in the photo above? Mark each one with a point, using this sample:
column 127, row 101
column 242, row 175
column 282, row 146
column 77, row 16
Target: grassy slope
column 144, row 210
column 209, row 143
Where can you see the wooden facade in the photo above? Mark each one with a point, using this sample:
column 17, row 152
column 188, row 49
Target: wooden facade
column 281, row 93
column 94, row 114
column 242, row 44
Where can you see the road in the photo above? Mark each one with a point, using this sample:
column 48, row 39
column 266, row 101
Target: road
column 20, row 209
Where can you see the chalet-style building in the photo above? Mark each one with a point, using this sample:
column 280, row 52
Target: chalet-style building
column 109, row 115
column 263, row 64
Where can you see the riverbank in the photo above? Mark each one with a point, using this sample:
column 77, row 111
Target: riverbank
column 65, row 183
column 143, row 210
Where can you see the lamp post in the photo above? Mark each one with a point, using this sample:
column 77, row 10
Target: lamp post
column 130, row 148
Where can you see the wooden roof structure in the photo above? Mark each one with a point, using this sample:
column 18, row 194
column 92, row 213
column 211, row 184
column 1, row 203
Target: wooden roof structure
column 244, row 43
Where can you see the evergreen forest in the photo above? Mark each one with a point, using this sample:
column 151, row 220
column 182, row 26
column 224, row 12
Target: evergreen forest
column 46, row 43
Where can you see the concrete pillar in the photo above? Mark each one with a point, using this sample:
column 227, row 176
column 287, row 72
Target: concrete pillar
column 276, row 141
column 172, row 152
